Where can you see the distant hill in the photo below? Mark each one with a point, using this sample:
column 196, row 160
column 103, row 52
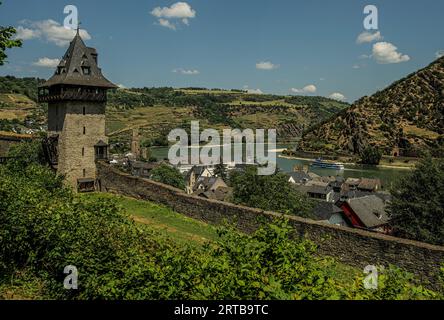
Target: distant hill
column 158, row 110
column 23, row 86
column 406, row 118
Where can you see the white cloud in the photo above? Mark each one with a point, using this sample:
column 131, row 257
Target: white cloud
column 307, row 89
column 385, row 53
column 367, row 37
column 439, row 54
column 364, row 56
column 121, row 86
column 49, row 30
column 47, row 62
column 179, row 10
column 266, row 65
column 167, row 24
column 188, row 72
column 337, row 96
column 26, row 34
column 356, row 66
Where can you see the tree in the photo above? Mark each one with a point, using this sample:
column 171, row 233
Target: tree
column 220, row 171
column 417, row 207
column 25, row 154
column 272, row 193
column 371, row 155
column 168, row 175
column 6, row 41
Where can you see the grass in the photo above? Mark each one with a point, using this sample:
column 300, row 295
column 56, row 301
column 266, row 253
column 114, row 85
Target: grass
column 171, row 224
column 187, row 231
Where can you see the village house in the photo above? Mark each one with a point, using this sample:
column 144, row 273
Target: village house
column 328, row 212
column 367, row 212
column 193, row 175
column 352, row 183
column 212, row 188
column 316, row 190
column 299, row 177
column 204, row 183
column 372, row 185
column 337, row 184
column 142, row 169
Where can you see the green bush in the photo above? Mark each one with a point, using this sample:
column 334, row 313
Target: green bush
column 417, row 206
column 371, row 155
column 168, row 175
column 272, row 193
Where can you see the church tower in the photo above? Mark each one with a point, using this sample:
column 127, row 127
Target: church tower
column 76, row 97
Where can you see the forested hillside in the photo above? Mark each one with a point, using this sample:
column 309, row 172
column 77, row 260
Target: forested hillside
column 407, row 118
column 158, row 110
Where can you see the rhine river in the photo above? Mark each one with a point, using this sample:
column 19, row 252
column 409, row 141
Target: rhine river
column 387, row 175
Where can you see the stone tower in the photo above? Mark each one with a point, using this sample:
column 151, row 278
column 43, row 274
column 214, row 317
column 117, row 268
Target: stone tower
column 76, row 97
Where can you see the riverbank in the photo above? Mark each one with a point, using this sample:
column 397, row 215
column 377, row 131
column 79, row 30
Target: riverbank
column 410, row 165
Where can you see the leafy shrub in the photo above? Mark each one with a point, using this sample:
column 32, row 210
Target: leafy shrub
column 417, row 206
column 371, row 155
column 273, row 193
column 168, row 175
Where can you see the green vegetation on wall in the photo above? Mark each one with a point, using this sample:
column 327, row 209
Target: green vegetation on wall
column 273, row 193
column 417, row 207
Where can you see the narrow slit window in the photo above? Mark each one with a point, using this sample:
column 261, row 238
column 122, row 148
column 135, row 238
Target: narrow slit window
column 84, row 110
column 84, row 130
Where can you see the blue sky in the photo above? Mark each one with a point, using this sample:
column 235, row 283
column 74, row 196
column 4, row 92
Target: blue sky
column 275, row 46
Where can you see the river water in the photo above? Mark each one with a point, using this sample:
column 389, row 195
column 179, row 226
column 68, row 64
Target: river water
column 387, row 175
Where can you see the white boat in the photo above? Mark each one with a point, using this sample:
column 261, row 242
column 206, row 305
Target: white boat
column 320, row 163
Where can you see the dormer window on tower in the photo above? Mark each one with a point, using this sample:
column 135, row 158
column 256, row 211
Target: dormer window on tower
column 86, row 70
column 60, row 70
column 94, row 55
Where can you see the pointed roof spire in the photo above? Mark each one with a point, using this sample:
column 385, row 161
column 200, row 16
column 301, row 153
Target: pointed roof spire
column 79, row 67
column 78, row 28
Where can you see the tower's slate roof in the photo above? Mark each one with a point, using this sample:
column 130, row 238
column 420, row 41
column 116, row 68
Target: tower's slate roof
column 77, row 56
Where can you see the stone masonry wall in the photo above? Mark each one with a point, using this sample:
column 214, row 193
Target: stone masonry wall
column 6, row 141
column 70, row 120
column 354, row 247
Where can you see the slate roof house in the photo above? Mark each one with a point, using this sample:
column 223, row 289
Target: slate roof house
column 330, row 213
column 367, row 212
column 193, row 175
column 298, row 177
column 316, row 191
column 372, row 185
column 211, row 188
